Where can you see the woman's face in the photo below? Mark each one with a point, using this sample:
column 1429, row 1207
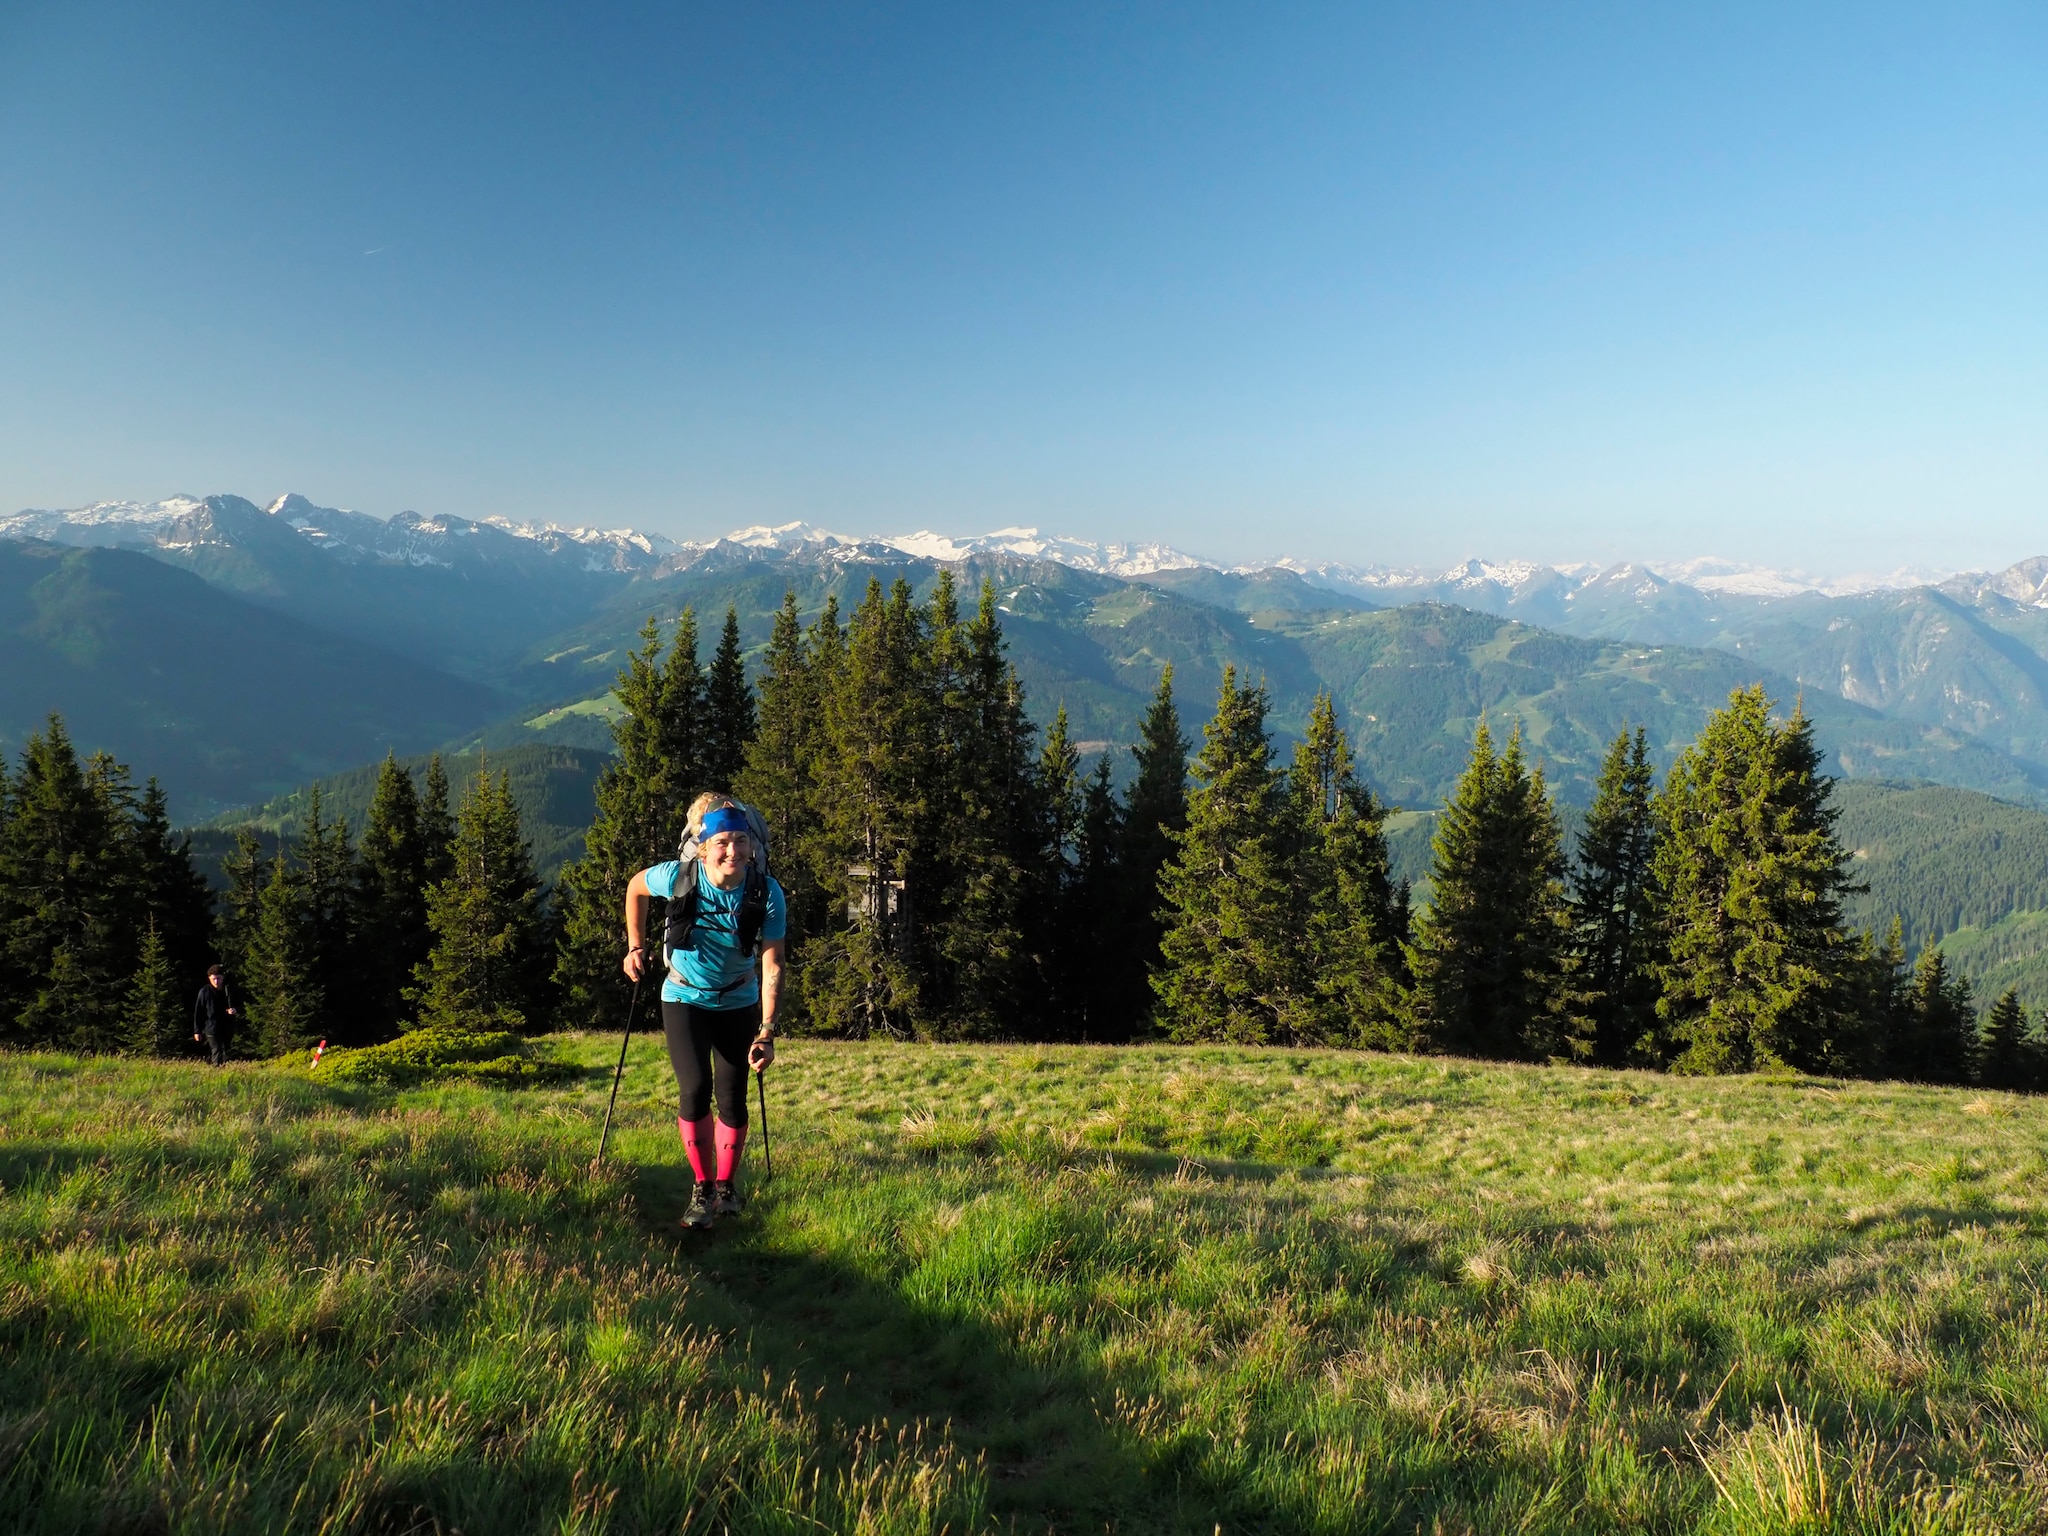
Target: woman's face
column 725, row 857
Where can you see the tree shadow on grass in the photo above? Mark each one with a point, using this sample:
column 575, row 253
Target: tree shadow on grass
column 1069, row 1442
column 1059, row 1454
column 1947, row 1219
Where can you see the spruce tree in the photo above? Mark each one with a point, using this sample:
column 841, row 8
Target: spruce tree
column 328, row 883
column 1156, row 809
column 1154, row 814
column 681, row 770
column 1757, row 969
column 129, row 891
column 728, row 722
column 1098, row 949
column 780, row 781
column 635, row 826
column 983, row 844
column 391, row 900
column 1492, row 954
column 1615, row 926
column 73, row 1004
column 1880, row 981
column 1351, row 967
column 2005, row 1058
column 152, row 1022
column 437, row 822
column 236, row 919
column 1059, row 931
column 178, row 897
column 1225, row 963
column 489, row 965
column 66, row 901
column 1938, row 1039
column 280, row 985
column 776, row 778
column 862, row 979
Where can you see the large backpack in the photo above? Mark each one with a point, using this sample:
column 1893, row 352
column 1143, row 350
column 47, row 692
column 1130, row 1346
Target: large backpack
column 680, row 935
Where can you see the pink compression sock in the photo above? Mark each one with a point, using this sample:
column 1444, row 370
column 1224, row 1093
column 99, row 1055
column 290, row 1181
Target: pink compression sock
column 730, row 1139
column 696, row 1143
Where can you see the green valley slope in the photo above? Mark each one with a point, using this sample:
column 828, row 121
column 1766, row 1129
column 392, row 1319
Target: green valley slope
column 221, row 699
column 1963, row 870
column 1411, row 683
column 553, row 786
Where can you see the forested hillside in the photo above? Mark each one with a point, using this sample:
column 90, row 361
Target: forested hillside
column 553, row 787
column 1941, row 858
column 222, row 700
column 2012, row 952
column 1962, row 870
column 1410, row 683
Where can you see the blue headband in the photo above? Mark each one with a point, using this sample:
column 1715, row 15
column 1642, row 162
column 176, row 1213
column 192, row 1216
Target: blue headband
column 725, row 819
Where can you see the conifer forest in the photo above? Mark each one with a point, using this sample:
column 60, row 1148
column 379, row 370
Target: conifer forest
column 954, row 873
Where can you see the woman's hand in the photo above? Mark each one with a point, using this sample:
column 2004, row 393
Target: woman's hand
column 635, row 965
column 761, row 1054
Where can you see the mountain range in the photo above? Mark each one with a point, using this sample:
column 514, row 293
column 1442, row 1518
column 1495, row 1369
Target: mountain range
column 216, row 695
column 494, row 632
column 239, row 651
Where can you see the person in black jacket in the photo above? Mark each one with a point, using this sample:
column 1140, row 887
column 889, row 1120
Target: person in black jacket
column 214, row 1014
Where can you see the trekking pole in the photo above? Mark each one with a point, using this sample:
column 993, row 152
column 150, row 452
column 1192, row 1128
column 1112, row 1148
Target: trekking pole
column 620, row 1071
column 767, row 1148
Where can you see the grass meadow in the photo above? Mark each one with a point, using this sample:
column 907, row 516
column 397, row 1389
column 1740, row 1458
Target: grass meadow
column 997, row 1288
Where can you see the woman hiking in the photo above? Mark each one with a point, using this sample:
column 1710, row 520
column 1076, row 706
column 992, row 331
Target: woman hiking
column 719, row 1017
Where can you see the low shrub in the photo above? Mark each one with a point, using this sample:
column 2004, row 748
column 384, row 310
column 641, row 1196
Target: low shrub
column 442, row 1054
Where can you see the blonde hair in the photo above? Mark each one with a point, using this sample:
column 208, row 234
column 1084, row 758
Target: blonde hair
column 704, row 805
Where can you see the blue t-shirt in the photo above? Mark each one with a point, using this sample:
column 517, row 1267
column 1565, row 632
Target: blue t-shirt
column 715, row 974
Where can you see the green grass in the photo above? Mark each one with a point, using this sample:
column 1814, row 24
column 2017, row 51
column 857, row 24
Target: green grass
column 1077, row 1289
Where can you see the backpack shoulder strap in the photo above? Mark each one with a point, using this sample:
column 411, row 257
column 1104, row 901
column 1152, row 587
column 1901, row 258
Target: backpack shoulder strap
column 679, row 934
column 753, row 911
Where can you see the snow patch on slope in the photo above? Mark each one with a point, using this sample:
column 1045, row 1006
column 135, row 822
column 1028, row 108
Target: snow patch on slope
column 115, row 523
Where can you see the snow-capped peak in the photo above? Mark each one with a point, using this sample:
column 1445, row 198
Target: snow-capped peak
column 1031, row 544
column 104, row 522
column 442, row 539
column 783, row 536
column 1711, row 574
column 1512, row 574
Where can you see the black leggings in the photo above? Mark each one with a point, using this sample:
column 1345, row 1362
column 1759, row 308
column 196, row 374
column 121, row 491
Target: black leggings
column 696, row 1036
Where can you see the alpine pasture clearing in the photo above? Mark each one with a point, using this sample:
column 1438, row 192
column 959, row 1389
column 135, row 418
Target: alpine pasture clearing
column 1142, row 1289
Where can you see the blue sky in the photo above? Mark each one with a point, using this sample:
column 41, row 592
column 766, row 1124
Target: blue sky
column 1366, row 283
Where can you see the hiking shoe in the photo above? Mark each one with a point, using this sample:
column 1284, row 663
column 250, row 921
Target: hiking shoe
column 725, row 1198
column 702, row 1206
